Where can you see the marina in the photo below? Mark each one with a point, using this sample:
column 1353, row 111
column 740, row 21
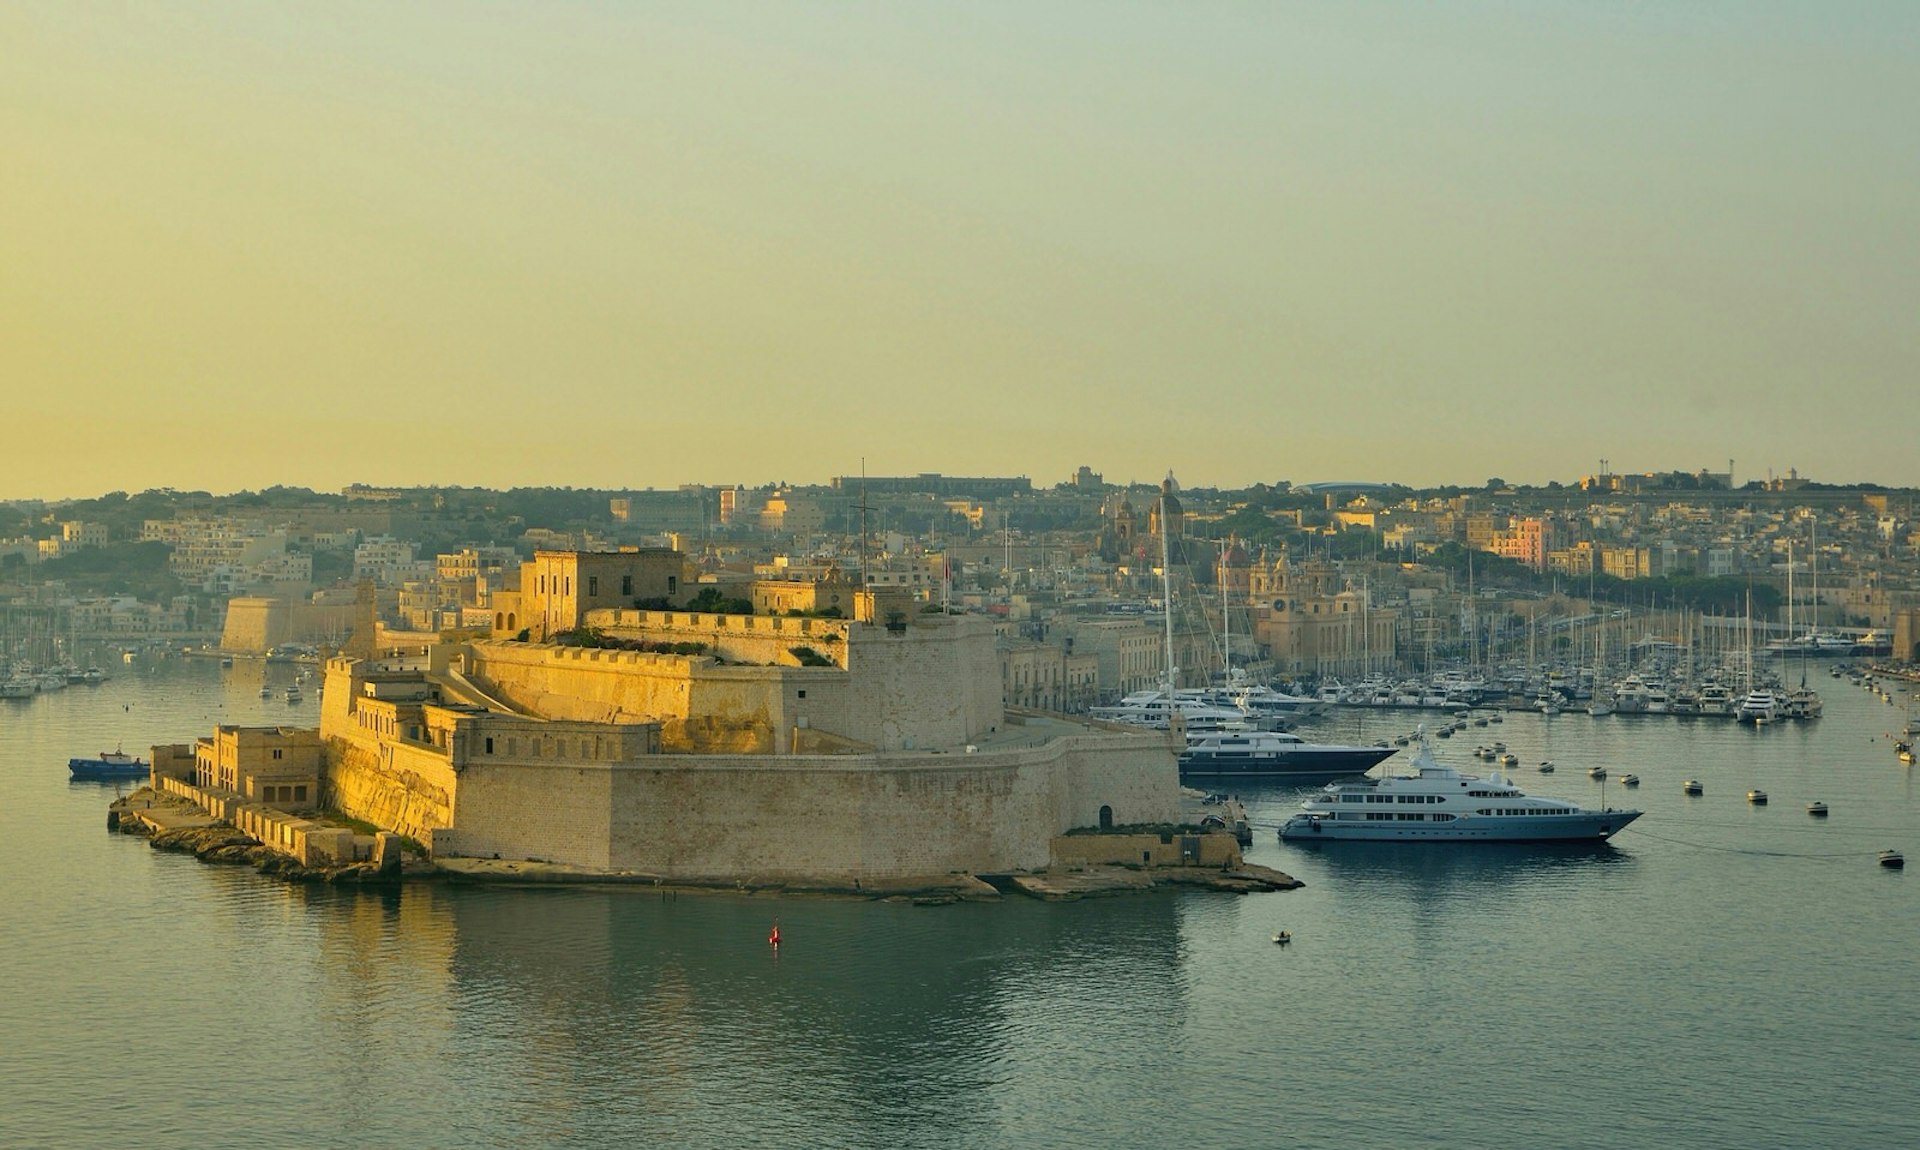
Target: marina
column 475, row 986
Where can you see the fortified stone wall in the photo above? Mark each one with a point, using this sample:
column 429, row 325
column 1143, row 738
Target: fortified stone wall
column 931, row 684
column 254, row 624
column 260, row 623
column 916, row 688
column 582, row 684
column 762, row 639
column 552, row 811
column 404, row 789
column 810, row 818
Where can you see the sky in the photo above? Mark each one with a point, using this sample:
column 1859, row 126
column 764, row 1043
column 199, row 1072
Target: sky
column 635, row 245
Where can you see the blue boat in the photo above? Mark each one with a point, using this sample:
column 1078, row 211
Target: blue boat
column 109, row 765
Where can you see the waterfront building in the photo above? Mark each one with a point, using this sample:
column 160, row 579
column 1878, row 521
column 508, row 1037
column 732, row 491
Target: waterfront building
column 1310, row 623
column 277, row 765
column 559, row 588
column 706, row 747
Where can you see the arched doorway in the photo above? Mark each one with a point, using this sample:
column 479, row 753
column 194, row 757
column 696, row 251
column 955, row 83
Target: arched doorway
column 1106, row 818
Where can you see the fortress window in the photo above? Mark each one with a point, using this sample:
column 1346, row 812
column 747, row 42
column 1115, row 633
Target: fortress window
column 489, row 744
column 803, row 694
column 626, row 584
column 593, row 585
column 277, row 752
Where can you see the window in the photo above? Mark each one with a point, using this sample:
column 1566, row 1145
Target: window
column 277, row 752
column 593, row 585
column 673, row 585
column 489, row 744
column 626, row 584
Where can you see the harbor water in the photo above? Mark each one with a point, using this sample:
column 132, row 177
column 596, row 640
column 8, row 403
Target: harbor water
column 1721, row 974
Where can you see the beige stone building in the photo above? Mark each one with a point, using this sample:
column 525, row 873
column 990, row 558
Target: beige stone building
column 278, row 765
column 559, row 588
column 1046, row 677
column 707, row 747
column 1309, row 623
column 1129, row 653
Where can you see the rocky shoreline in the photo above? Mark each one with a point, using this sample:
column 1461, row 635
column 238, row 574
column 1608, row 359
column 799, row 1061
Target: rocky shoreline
column 171, row 824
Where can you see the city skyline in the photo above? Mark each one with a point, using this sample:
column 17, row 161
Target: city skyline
column 727, row 243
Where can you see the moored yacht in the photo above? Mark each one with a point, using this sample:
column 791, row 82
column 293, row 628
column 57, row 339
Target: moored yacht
column 1717, row 700
column 1760, row 707
column 1440, row 804
column 1273, row 756
column 1153, row 709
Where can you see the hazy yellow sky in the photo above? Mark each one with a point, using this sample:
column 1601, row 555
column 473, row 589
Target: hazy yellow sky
column 630, row 244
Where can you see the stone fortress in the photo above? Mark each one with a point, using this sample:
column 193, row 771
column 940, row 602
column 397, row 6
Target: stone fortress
column 703, row 747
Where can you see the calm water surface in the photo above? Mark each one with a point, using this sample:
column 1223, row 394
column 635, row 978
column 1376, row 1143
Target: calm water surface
column 1722, row 975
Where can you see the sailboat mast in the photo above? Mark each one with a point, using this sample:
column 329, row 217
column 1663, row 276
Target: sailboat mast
column 1166, row 598
column 1226, row 622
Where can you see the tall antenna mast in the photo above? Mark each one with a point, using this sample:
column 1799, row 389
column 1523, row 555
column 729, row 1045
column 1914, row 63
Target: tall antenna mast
column 863, row 525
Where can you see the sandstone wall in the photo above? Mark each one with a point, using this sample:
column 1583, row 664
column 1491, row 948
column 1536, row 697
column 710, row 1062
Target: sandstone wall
column 254, row 624
column 760, row 639
column 551, row 811
column 812, row 818
column 583, row 685
column 924, row 686
column 404, row 789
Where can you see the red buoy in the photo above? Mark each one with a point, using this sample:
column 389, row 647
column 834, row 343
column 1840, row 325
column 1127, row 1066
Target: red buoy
column 774, row 938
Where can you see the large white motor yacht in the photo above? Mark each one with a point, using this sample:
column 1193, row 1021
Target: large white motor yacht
column 1440, row 804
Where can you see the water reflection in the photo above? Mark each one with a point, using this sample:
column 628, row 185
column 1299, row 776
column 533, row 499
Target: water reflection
column 1438, row 866
column 589, row 1016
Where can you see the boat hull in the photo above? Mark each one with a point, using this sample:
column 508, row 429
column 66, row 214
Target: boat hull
column 101, row 769
column 1311, row 765
column 1588, row 826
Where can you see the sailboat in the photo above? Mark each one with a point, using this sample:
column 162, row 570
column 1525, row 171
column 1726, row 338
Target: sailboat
column 1803, row 702
column 1170, row 708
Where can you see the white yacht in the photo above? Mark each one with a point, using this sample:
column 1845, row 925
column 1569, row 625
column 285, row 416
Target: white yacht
column 1630, row 696
column 1440, row 804
column 1273, row 756
column 1717, row 700
column 1154, row 710
column 1759, row 707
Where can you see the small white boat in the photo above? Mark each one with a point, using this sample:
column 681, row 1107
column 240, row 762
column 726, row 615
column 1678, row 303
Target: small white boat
column 1596, row 772
column 1629, row 780
column 1892, row 859
column 1509, row 760
column 1757, row 797
column 1282, row 937
column 1817, row 810
column 1546, row 767
column 1693, row 787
